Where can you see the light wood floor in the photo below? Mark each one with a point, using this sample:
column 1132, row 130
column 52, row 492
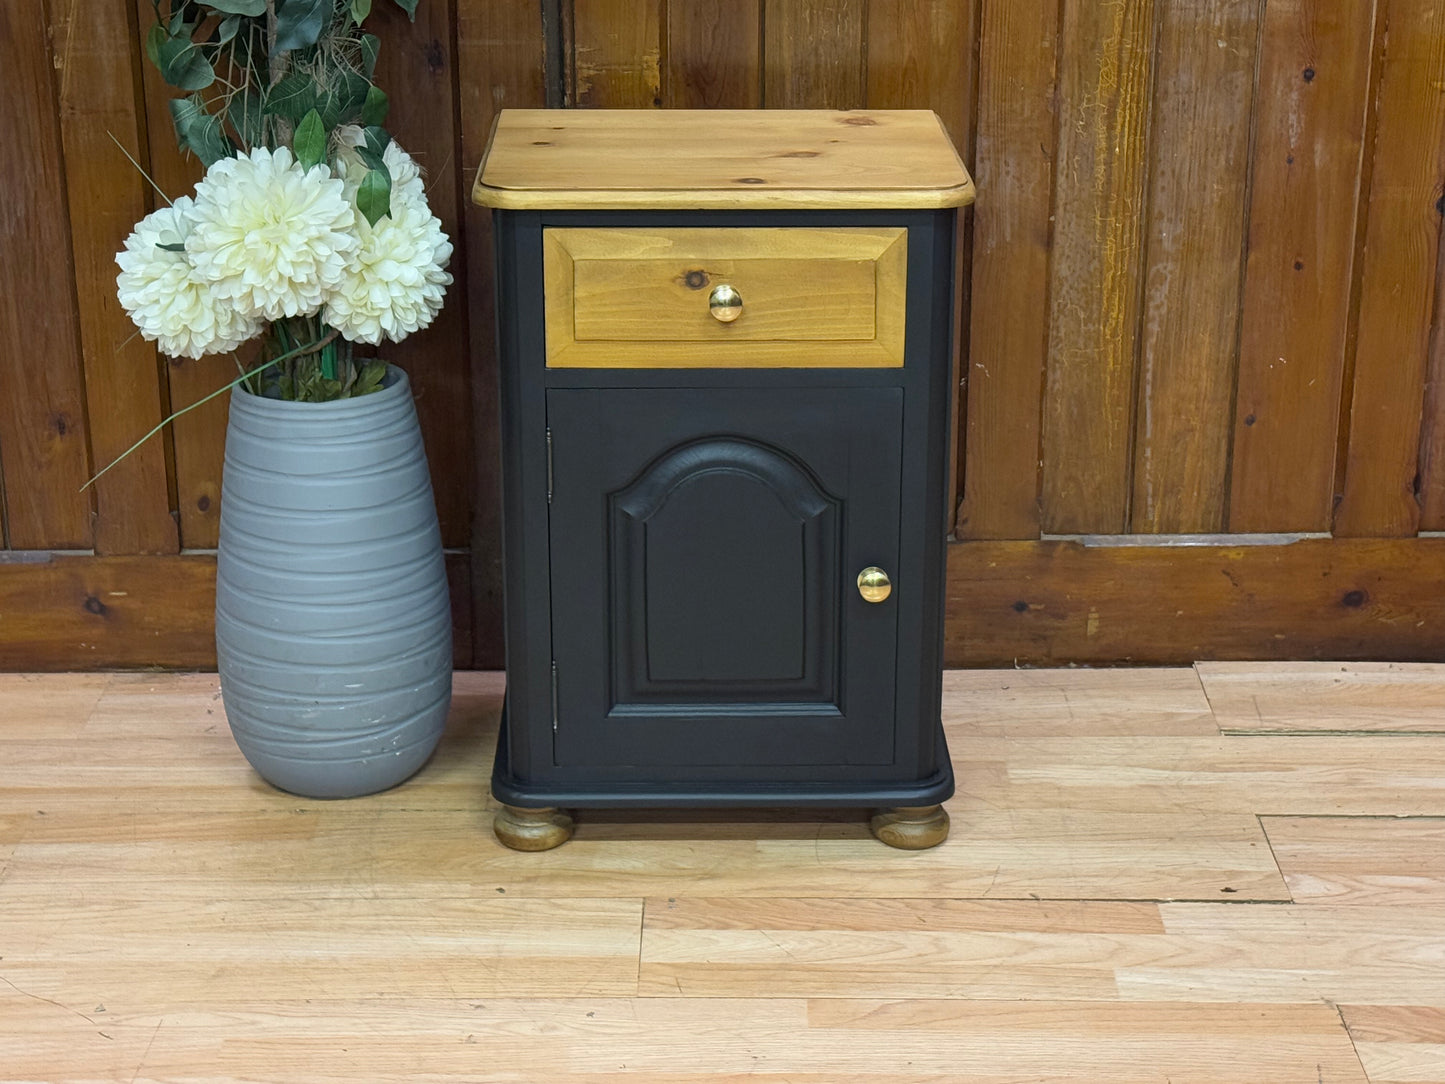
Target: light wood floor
column 1231, row 873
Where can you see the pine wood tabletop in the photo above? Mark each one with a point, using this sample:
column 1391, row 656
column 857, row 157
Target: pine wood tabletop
column 624, row 159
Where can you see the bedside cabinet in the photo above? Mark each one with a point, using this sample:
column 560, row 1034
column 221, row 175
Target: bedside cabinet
column 725, row 349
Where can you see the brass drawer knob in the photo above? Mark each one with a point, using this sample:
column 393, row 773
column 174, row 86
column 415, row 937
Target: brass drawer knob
column 874, row 584
column 725, row 303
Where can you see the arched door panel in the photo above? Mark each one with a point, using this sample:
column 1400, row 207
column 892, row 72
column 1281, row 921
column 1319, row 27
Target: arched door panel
column 704, row 552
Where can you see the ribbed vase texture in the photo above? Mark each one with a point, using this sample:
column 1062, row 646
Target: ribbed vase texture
column 333, row 621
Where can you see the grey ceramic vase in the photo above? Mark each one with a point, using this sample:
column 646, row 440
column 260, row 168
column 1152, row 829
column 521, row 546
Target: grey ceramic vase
column 333, row 621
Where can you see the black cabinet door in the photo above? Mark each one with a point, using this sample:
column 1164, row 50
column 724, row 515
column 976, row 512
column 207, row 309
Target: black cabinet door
column 705, row 547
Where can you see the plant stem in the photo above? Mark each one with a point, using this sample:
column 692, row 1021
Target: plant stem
column 277, row 62
column 308, row 348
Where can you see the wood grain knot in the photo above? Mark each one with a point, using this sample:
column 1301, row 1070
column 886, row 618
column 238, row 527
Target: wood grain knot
column 1355, row 599
column 798, row 154
column 1309, row 75
column 203, row 502
column 1249, row 419
column 751, row 180
column 695, row 280
column 1021, row 606
column 95, row 606
column 858, row 122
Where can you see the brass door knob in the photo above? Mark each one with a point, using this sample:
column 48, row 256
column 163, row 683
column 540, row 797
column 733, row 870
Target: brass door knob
column 874, row 584
column 725, row 303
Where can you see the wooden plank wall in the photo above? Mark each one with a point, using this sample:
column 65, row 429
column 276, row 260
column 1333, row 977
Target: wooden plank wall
column 1201, row 289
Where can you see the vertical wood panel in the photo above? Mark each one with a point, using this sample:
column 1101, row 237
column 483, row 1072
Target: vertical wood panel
column 813, row 54
column 1104, row 87
column 1397, row 277
column 416, row 69
column 1432, row 440
column 616, row 54
column 42, row 401
column 1014, row 168
column 714, row 54
column 921, row 56
column 1314, row 73
column 95, row 54
column 499, row 50
column 198, row 438
column 1199, row 150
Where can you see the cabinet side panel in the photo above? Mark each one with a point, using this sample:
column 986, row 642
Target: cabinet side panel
column 926, row 508
column 522, row 425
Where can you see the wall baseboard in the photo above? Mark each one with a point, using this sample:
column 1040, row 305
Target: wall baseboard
column 1044, row 603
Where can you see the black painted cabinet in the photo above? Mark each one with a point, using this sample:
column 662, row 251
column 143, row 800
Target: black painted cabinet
column 724, row 529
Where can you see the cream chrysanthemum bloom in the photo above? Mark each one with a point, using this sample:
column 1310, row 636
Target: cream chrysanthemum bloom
column 396, row 281
column 160, row 291
column 271, row 237
column 406, row 182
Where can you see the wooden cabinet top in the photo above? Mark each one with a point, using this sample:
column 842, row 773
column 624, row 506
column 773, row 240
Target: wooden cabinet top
column 720, row 159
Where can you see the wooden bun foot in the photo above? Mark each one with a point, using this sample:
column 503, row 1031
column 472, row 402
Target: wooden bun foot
column 911, row 828
column 532, row 829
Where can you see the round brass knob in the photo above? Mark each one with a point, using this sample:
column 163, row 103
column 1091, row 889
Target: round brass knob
column 874, row 584
column 725, row 303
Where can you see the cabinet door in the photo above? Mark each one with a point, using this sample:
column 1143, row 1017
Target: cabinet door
column 705, row 547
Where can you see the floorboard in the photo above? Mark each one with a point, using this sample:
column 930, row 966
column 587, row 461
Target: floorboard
column 1326, row 696
column 1186, row 875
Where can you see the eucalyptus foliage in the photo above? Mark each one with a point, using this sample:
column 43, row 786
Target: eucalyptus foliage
column 274, row 73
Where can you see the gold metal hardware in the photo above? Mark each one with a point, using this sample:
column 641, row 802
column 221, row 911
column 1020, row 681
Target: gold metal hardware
column 874, row 584
column 725, row 303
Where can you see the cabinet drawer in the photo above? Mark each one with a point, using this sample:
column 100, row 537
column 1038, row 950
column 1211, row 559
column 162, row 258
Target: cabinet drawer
column 642, row 298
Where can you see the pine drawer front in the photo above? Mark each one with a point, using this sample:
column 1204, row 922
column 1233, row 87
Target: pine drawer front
column 651, row 298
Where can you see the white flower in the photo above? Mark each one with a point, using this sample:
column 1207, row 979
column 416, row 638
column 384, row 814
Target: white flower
column 406, row 182
column 161, row 293
column 396, row 281
column 269, row 236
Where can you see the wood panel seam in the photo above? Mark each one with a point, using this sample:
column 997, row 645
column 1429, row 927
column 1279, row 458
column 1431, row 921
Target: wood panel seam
column 1363, row 191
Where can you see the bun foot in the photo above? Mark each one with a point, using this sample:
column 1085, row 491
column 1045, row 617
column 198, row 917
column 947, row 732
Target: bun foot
column 532, row 829
column 911, row 828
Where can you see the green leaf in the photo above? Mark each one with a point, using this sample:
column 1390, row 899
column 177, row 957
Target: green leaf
column 376, row 107
column 229, row 25
column 360, row 9
column 199, row 131
column 244, row 113
column 174, row 246
column 370, row 150
column 155, row 38
column 183, row 65
column 239, row 7
column 373, row 198
column 376, row 138
column 370, row 378
column 309, row 143
column 299, row 24
column 372, row 160
column 370, row 50
column 348, row 97
column 408, row 6
column 293, row 97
